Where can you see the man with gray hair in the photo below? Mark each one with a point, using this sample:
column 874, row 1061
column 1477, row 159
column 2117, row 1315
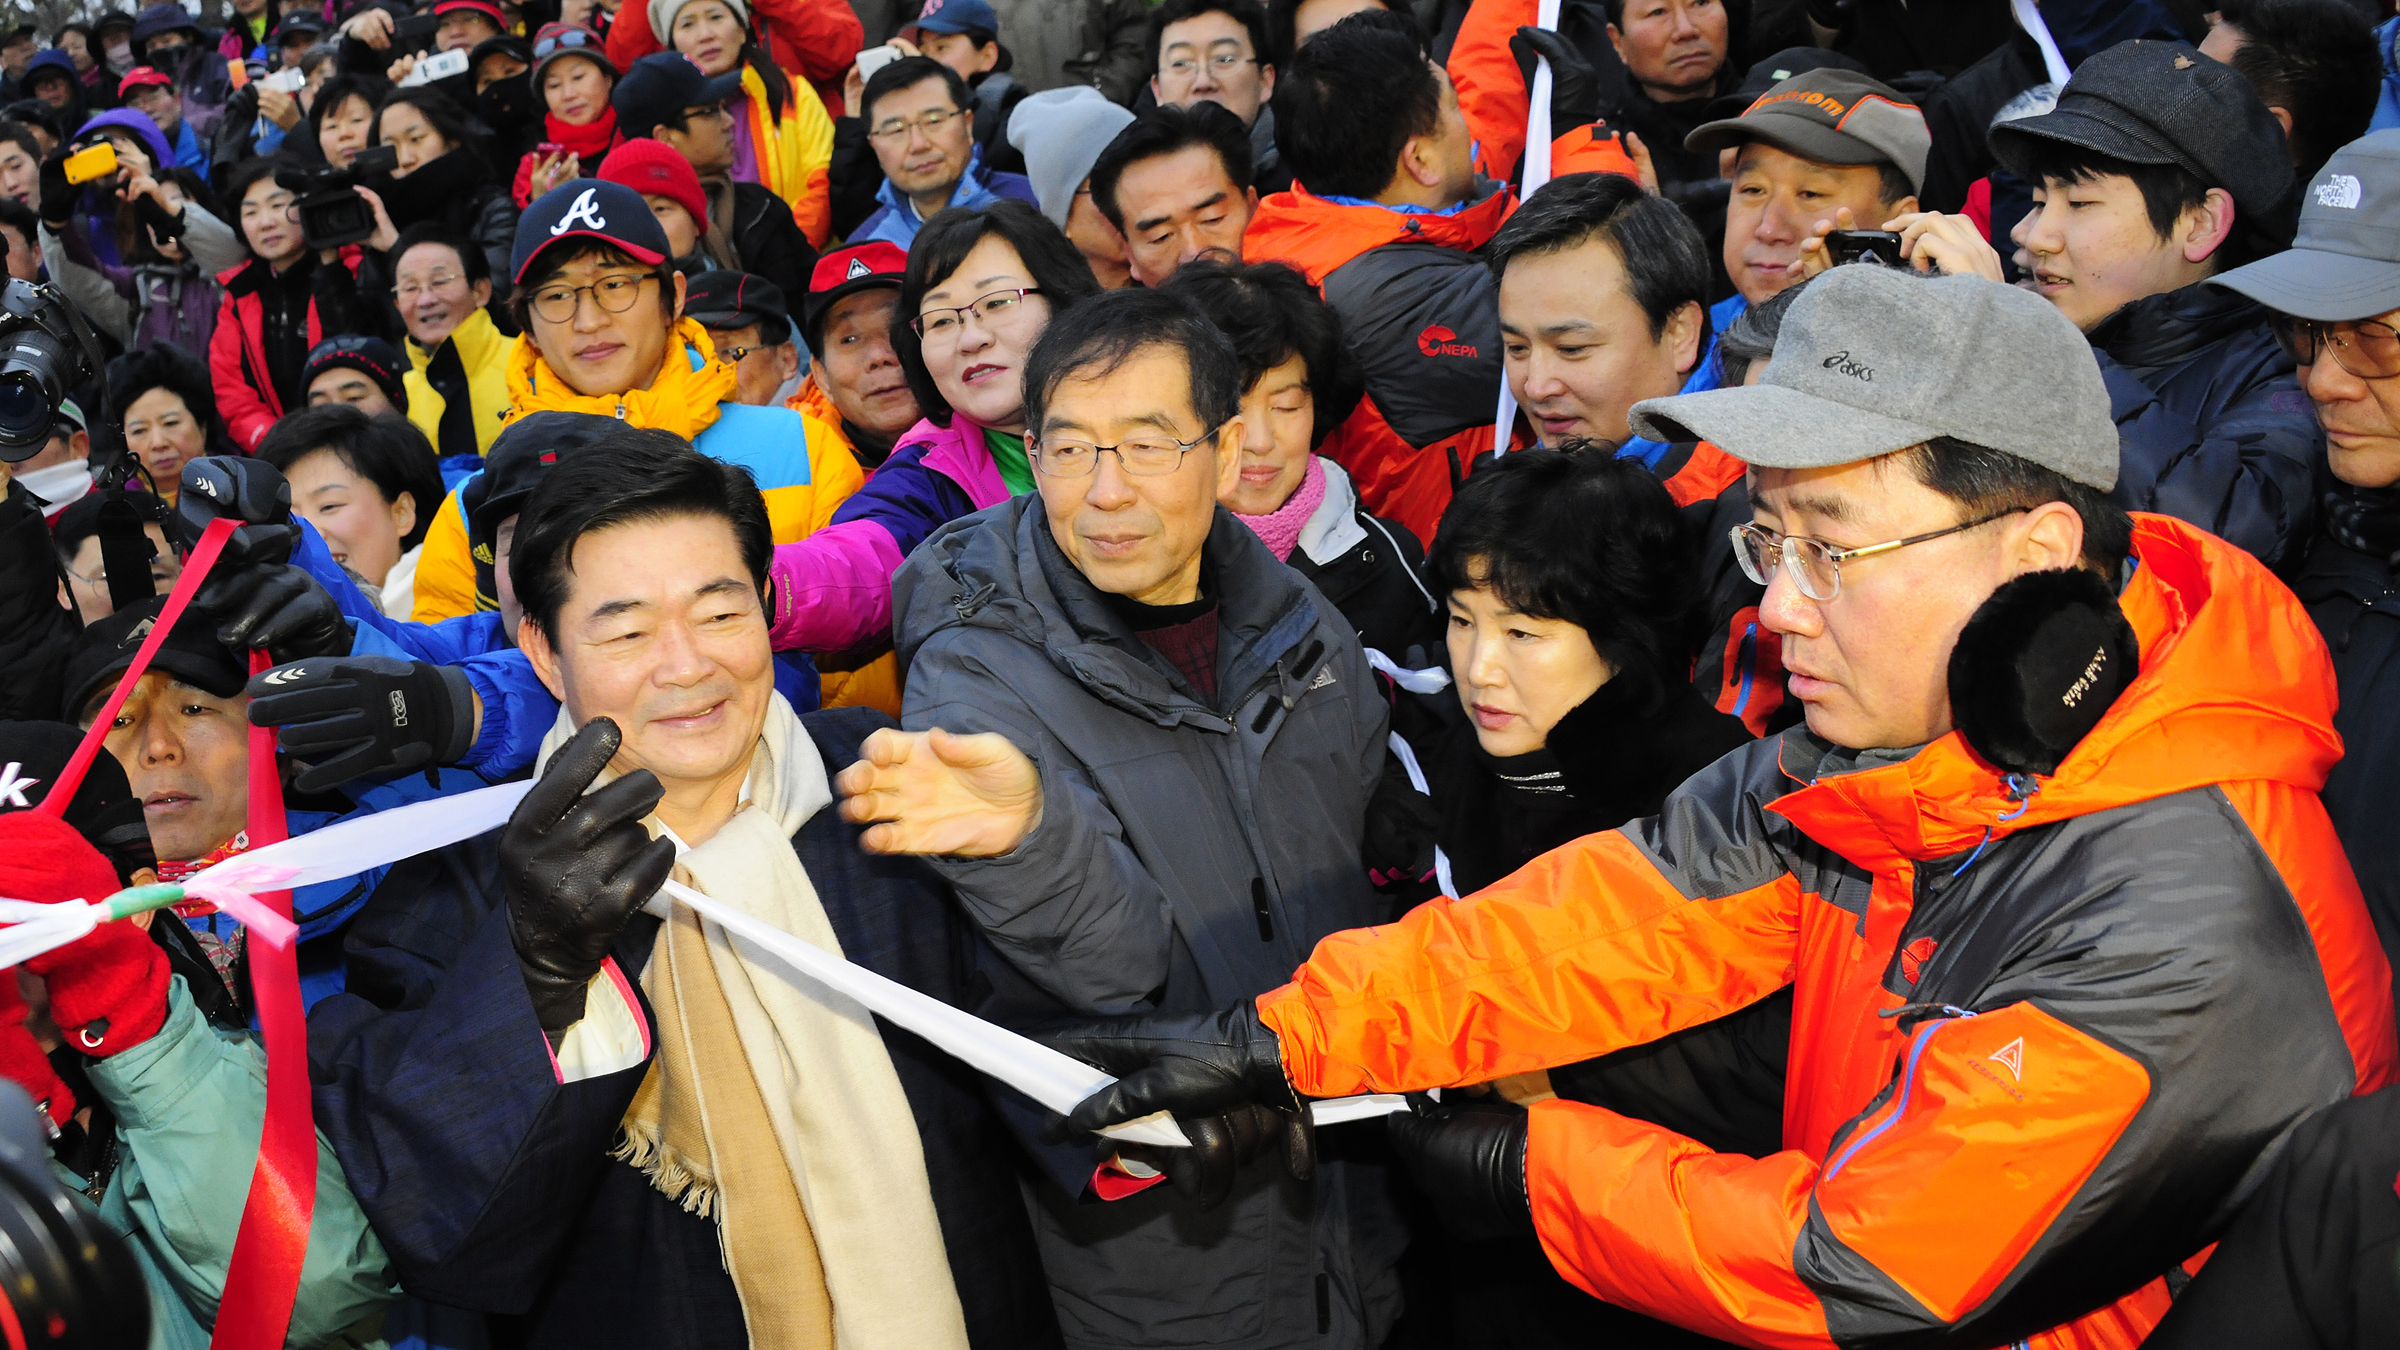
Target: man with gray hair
column 2070, row 939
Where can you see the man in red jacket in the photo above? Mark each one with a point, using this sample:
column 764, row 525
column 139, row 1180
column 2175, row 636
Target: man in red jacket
column 1384, row 215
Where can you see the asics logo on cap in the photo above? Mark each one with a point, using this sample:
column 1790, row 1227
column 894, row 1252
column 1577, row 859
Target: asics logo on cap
column 858, row 268
column 2341, row 191
column 586, row 210
column 1842, row 363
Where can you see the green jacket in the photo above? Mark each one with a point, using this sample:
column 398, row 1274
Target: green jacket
column 190, row 1103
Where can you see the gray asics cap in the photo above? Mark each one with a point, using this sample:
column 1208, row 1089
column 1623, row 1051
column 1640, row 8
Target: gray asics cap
column 1874, row 359
column 2346, row 262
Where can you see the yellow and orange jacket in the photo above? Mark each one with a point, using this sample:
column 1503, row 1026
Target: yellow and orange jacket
column 2041, row 1030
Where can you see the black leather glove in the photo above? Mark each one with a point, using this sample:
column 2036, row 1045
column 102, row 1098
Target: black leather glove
column 1574, row 87
column 165, row 226
column 1190, row 1064
column 575, row 867
column 277, row 608
column 58, row 195
column 1402, row 826
column 1468, row 1156
column 1221, row 1146
column 346, row 717
column 251, row 491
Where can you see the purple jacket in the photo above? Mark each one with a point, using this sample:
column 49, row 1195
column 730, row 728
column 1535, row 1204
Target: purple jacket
column 833, row 590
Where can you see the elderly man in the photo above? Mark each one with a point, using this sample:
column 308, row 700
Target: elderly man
column 457, row 380
column 2059, row 981
column 1208, row 735
column 726, row 1157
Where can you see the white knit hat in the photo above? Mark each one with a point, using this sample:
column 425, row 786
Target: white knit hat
column 663, row 12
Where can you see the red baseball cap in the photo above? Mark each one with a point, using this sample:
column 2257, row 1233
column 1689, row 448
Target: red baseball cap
column 483, row 7
column 142, row 75
column 648, row 166
column 846, row 271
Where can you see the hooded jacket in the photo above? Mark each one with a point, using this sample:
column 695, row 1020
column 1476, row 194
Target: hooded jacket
column 1190, row 851
column 1419, row 311
column 832, row 592
column 2212, row 425
column 2041, row 1035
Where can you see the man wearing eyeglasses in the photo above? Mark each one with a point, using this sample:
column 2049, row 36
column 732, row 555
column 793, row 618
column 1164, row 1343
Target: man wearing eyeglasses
column 918, row 116
column 2336, row 299
column 2070, row 939
column 1207, row 733
column 1216, row 51
column 601, row 307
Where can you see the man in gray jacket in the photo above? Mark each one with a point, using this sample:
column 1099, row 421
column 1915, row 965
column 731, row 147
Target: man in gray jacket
column 1169, row 743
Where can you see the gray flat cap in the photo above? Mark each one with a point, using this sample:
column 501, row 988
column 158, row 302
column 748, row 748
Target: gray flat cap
column 1872, row 359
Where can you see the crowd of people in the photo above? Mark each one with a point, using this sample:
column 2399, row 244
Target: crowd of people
column 1785, row 653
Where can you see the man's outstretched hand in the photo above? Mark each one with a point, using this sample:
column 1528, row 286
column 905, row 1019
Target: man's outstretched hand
column 934, row 792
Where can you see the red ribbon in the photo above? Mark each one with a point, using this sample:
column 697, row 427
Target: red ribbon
column 263, row 1278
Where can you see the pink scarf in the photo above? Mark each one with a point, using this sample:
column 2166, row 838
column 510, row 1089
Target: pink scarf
column 1280, row 528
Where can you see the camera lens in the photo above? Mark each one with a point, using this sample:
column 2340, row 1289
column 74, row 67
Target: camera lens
column 24, row 405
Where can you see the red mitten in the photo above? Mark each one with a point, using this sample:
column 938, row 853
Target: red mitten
column 21, row 1059
column 108, row 988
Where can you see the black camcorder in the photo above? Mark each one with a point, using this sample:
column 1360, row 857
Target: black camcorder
column 330, row 210
column 46, row 352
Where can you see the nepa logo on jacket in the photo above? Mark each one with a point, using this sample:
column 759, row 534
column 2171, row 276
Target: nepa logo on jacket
column 1439, row 341
column 2341, row 190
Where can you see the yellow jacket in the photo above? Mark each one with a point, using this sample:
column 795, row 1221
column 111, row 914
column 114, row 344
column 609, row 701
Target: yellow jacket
column 794, row 153
column 483, row 352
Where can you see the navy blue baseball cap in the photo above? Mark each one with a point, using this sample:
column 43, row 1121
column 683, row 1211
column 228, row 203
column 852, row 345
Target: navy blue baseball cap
column 588, row 208
column 957, row 16
column 660, row 86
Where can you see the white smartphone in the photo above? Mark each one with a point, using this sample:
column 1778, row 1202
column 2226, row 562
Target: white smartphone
column 440, row 67
column 285, row 81
column 876, row 58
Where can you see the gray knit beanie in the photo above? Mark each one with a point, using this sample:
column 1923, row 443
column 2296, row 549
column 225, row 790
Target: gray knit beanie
column 1061, row 133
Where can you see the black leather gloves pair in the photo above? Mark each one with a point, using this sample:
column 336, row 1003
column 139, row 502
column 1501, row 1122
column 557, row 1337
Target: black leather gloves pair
column 575, row 866
column 1221, row 1076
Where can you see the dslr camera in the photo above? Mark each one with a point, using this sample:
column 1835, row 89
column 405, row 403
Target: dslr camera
column 46, row 351
column 330, row 210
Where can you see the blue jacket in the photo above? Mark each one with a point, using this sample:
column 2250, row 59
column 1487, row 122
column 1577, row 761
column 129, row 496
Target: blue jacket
column 489, row 1181
column 2387, row 108
column 896, row 220
column 2212, row 425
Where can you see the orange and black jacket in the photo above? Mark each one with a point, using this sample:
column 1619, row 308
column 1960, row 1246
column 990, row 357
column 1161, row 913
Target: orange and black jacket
column 2038, row 1041
column 1420, row 311
column 1740, row 662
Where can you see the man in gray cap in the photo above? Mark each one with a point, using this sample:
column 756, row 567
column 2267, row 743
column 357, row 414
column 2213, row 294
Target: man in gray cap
column 1826, row 149
column 1061, row 133
column 2335, row 296
column 2059, row 974
column 2158, row 169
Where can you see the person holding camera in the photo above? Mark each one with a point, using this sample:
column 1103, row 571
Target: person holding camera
column 442, row 178
column 171, row 244
column 279, row 304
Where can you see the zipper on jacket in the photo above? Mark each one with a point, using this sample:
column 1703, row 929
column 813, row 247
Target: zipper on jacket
column 1908, row 1083
column 1258, row 905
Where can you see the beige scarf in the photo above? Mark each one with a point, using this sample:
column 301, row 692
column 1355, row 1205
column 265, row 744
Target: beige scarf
column 803, row 1149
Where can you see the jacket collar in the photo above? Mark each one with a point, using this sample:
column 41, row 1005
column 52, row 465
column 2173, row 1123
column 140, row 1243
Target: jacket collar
column 2189, row 719
column 475, row 338
column 2173, row 326
column 1318, row 236
column 1333, row 529
column 1001, row 569
column 970, row 190
column 957, row 452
